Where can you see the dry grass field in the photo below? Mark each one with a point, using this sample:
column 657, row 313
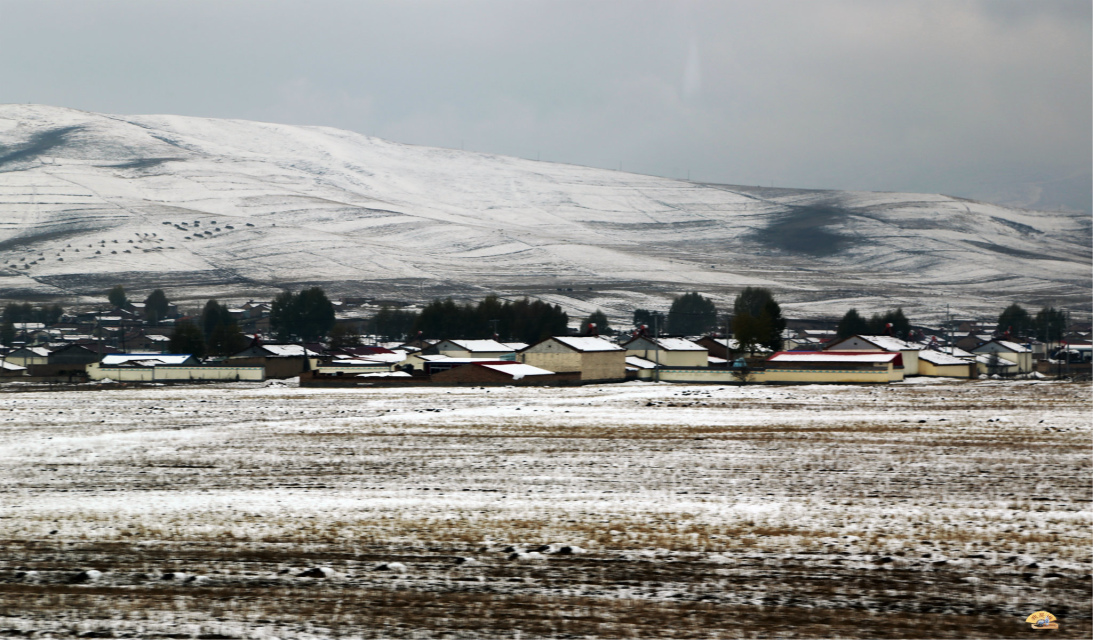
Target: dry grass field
column 637, row 510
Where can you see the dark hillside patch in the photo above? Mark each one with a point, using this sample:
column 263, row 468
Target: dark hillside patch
column 38, row 144
column 803, row 230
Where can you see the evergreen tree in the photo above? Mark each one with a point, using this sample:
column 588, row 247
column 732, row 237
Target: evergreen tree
column 598, row 321
column 650, row 319
column 523, row 320
column 759, row 317
column 852, row 324
column 187, row 338
column 116, row 296
column 344, row 335
column 692, row 314
column 308, row 315
column 393, row 324
column 226, row 339
column 156, row 306
column 1015, row 321
column 52, row 314
column 900, row 326
column 282, row 315
column 316, row 314
column 1050, row 325
column 7, row 333
column 222, row 334
column 748, row 331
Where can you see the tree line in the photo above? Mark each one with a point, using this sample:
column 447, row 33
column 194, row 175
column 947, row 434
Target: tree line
column 511, row 321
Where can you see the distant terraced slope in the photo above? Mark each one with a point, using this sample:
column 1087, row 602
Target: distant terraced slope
column 236, row 208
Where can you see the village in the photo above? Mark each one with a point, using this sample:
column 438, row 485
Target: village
column 126, row 343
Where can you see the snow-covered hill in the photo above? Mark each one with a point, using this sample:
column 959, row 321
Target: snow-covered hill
column 235, row 208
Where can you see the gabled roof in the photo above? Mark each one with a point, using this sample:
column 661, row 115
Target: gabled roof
column 1006, row 345
column 939, row 358
column 479, row 346
column 983, row 358
column 888, row 343
column 640, row 363
column 670, row 344
column 587, row 344
column 287, row 350
column 38, row 351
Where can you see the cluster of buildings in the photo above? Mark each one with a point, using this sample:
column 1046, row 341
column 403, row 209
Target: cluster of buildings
column 118, row 346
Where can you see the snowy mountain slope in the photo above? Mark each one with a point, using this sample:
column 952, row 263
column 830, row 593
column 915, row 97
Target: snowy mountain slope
column 236, row 208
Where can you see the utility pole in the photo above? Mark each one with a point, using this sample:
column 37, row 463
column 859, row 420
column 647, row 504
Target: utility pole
column 656, row 346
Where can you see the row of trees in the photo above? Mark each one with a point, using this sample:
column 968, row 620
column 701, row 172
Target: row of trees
column 523, row 320
column 307, row 315
column 48, row 314
column 756, row 319
column 890, row 323
column 156, row 305
column 215, row 334
column 1048, row 325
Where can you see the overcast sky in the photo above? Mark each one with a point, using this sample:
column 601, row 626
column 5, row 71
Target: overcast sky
column 986, row 99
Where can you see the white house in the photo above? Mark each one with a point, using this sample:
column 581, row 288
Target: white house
column 1018, row 354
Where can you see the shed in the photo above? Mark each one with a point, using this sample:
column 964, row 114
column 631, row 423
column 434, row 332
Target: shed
column 828, row 366
column 502, row 372
column 937, row 363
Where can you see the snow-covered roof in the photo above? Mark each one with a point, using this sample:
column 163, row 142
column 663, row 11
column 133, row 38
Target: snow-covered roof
column 640, row 363
column 888, row 343
column 1007, row 345
column 157, row 338
column 516, row 346
column 515, row 369
column 288, row 350
column 677, row 344
column 588, row 343
column 38, row 351
column 448, row 359
column 716, row 360
column 833, row 356
column 144, row 359
column 939, row 358
column 7, row 366
column 479, row 346
column 374, row 358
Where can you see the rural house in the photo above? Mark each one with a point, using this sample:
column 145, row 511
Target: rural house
column 668, row 352
column 595, row 358
column 881, row 343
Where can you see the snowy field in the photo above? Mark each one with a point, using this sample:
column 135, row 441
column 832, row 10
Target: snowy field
column 635, row 510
